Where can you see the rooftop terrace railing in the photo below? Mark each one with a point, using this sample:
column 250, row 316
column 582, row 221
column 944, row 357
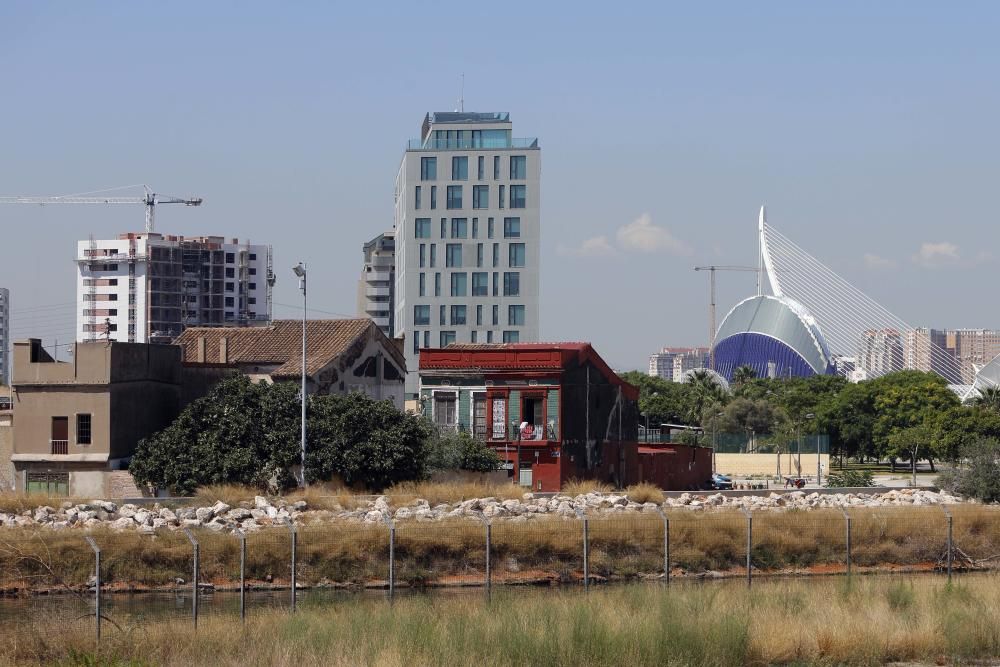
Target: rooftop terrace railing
column 431, row 144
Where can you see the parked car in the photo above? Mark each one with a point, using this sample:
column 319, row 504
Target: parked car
column 721, row 482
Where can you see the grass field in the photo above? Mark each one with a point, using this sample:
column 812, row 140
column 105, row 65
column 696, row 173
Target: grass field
column 453, row 552
column 859, row 621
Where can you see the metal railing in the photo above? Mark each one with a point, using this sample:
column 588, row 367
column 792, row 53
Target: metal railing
column 60, row 446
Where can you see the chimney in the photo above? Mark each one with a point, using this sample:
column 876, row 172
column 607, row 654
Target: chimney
column 201, row 350
column 223, row 350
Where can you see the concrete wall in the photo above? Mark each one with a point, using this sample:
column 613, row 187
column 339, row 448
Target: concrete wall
column 35, row 407
column 742, row 465
column 6, row 449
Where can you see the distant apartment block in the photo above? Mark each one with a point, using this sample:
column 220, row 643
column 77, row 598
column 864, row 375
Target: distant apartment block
column 467, row 236
column 671, row 363
column 148, row 287
column 880, row 351
column 378, row 282
column 973, row 348
column 4, row 336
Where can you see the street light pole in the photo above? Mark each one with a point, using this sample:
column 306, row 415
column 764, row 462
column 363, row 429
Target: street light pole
column 300, row 271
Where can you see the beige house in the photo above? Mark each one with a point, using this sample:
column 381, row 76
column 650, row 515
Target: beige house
column 341, row 356
column 78, row 422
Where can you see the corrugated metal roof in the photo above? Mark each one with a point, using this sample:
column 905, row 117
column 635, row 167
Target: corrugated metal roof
column 281, row 343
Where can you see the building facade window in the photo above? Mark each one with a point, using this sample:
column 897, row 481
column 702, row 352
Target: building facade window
column 441, row 314
column 481, row 174
column 503, row 195
column 428, row 169
column 416, row 342
column 454, row 197
column 516, row 255
column 518, row 167
column 423, row 283
column 479, row 316
column 489, row 336
column 515, row 316
column 421, row 316
column 416, row 197
column 496, row 284
column 423, row 254
column 489, row 228
column 459, row 168
column 496, row 167
column 511, row 336
column 437, row 284
column 458, row 314
column 480, row 196
column 511, row 283
column 459, row 228
column 480, row 283
column 433, row 255
column 496, row 315
column 475, row 228
column 473, row 336
column 517, row 196
column 512, row 228
column 479, row 255
column 422, row 228
column 446, row 338
column 453, row 255
column 434, row 197
column 427, row 339
column 459, row 285
column 83, row 429
column 444, row 228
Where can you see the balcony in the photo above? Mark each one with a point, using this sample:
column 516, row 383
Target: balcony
column 377, row 291
column 378, row 277
column 442, row 145
column 60, row 446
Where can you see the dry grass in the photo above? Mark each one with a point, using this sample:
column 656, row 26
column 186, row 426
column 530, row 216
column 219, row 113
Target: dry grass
column 576, row 487
column 16, row 503
column 231, row 494
column 820, row 622
column 645, row 493
column 440, row 492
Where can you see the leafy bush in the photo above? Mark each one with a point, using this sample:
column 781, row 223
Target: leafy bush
column 849, row 479
column 979, row 476
column 450, row 450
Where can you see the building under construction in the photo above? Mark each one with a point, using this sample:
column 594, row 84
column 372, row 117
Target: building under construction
column 147, row 287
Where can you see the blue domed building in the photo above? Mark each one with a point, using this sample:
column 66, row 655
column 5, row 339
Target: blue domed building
column 776, row 336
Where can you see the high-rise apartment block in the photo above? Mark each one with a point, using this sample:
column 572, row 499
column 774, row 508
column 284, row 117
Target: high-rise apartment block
column 671, row 363
column 378, row 282
column 880, row 351
column 147, row 287
column 467, row 236
column 4, row 336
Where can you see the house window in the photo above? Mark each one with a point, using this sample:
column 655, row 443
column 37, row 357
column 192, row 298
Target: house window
column 230, row 272
column 517, row 196
column 422, row 228
column 83, row 429
column 459, row 168
column 416, row 342
column 454, row 196
column 479, row 416
column 458, row 284
column 427, row 339
column 428, row 169
column 480, row 196
column 516, row 255
column 496, row 255
column 253, row 257
column 434, row 197
column 511, row 283
column 416, row 197
column 458, row 315
column 229, row 302
column 489, row 336
column 422, row 316
column 511, row 336
column 459, row 228
column 496, row 283
column 441, row 312
column 423, row 282
column 444, row 228
column 445, row 405
column 489, row 228
column 475, row 228
column 230, row 258
column 423, row 254
column 512, row 228
column 482, row 167
column 496, row 167
column 453, row 255
column 480, row 283
column 479, row 316
column 503, row 194
column 515, row 316
column 518, row 167
column 433, row 255
column 437, row 284
column 479, row 255
column 496, row 316
column 446, row 338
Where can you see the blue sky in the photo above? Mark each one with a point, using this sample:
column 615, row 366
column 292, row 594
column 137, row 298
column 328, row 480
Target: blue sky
column 868, row 129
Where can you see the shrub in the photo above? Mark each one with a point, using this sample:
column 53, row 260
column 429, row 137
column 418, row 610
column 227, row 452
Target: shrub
column 849, row 479
column 450, row 450
column 980, row 476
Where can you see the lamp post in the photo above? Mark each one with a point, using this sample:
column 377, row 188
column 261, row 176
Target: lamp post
column 515, row 426
column 715, row 428
column 300, row 271
column 818, row 481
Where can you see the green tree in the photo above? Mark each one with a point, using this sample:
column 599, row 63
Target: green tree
column 742, row 375
column 748, row 416
column 705, row 395
column 979, row 475
column 988, row 398
column 907, row 400
column 451, row 450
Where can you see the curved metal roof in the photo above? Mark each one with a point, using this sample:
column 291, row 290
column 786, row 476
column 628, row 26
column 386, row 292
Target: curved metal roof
column 781, row 318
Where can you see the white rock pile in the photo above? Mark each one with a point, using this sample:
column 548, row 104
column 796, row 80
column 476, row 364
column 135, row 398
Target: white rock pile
column 263, row 512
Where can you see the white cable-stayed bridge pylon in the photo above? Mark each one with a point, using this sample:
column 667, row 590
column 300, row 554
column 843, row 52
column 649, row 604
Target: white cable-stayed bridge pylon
column 853, row 324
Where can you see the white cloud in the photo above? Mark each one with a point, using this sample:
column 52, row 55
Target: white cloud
column 641, row 235
column 879, row 263
column 593, row 247
column 933, row 255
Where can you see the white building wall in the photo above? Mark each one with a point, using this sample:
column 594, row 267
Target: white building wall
column 4, row 336
column 408, row 267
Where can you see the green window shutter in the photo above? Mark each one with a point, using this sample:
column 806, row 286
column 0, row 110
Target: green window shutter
column 553, row 412
column 514, row 410
column 464, row 409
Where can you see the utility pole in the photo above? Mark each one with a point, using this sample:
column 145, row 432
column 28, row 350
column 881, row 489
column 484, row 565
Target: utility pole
column 712, row 268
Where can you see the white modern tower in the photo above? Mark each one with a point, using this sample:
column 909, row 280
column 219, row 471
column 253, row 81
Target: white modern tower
column 467, row 236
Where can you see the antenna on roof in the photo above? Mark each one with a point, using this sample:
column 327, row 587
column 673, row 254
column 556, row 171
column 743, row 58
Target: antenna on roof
column 461, row 94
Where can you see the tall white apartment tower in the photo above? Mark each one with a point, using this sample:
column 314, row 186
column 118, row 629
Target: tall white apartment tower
column 467, row 236
column 4, row 336
column 147, row 287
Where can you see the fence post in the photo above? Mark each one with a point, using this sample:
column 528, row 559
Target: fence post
column 489, row 544
column 295, row 544
column 97, row 585
column 666, row 545
column 947, row 514
column 847, row 520
column 749, row 544
column 194, row 583
column 392, row 554
column 241, row 536
column 582, row 514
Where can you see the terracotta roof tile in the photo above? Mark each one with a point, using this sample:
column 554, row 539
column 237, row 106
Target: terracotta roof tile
column 281, row 343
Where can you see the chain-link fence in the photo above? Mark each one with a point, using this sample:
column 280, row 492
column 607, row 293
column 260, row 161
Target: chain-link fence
column 114, row 581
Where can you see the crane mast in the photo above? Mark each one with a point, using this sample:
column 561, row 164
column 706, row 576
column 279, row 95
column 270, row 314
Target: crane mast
column 712, row 268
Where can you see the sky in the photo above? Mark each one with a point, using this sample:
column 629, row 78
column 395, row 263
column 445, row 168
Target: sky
column 868, row 129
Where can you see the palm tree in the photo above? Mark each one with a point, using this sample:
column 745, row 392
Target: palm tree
column 989, row 398
column 742, row 375
column 706, row 391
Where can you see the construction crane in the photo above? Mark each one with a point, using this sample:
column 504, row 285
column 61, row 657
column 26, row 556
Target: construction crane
column 149, row 199
column 712, row 268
